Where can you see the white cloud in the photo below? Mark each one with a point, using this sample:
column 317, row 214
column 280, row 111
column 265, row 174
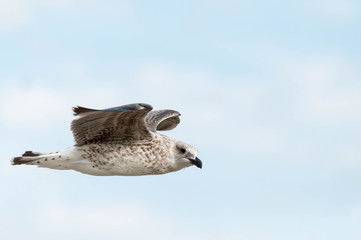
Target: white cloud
column 94, row 222
column 343, row 10
column 36, row 106
column 42, row 106
column 121, row 220
column 324, row 111
column 326, row 90
column 200, row 90
column 15, row 14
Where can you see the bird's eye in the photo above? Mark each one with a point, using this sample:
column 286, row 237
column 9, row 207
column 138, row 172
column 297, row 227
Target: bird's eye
column 182, row 150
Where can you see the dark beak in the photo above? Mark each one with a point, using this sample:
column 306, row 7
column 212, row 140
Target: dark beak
column 197, row 162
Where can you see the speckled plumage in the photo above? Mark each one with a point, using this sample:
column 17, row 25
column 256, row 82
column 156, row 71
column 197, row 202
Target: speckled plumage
column 119, row 141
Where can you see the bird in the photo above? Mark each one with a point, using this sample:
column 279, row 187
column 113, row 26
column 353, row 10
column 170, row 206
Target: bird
column 119, row 141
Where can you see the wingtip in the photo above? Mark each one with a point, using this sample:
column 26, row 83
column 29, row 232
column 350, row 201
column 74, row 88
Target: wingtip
column 79, row 110
column 75, row 110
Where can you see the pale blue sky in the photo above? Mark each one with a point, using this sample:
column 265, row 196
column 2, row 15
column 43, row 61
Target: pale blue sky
column 269, row 92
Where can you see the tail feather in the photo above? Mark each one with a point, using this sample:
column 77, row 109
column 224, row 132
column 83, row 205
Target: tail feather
column 64, row 159
column 27, row 158
column 56, row 160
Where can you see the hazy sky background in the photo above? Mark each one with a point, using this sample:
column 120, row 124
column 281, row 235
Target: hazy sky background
column 269, row 92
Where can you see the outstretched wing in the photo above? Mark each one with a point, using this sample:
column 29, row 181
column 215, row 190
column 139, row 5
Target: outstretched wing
column 120, row 124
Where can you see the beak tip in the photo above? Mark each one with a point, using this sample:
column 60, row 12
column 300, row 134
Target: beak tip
column 197, row 162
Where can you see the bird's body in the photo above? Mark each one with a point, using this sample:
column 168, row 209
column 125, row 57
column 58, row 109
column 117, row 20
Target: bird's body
column 119, row 141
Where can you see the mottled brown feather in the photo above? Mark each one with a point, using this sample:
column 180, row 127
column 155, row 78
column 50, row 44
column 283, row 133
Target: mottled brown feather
column 124, row 124
column 99, row 126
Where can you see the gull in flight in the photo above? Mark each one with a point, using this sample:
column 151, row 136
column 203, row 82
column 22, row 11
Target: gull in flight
column 119, row 141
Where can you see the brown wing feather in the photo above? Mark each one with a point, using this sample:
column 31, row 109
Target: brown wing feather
column 121, row 124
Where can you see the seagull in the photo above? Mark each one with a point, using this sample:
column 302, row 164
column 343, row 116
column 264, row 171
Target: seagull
column 119, row 141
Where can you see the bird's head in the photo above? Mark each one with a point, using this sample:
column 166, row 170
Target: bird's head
column 185, row 155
